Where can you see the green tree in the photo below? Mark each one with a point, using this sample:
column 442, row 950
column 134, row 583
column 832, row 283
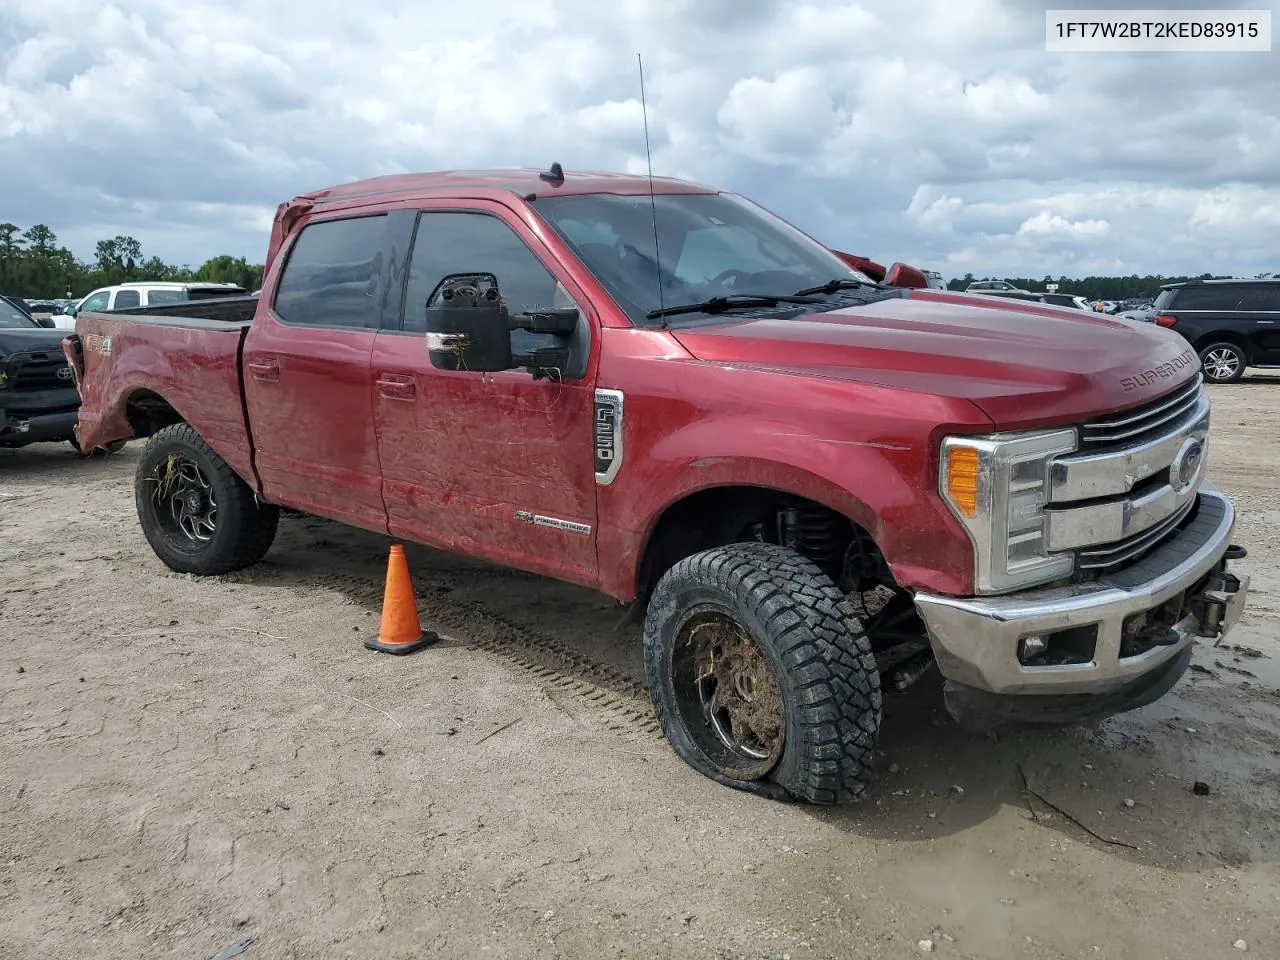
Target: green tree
column 129, row 251
column 227, row 269
column 41, row 241
column 10, row 255
column 107, row 256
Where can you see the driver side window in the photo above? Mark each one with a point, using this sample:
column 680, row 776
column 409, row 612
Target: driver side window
column 449, row 243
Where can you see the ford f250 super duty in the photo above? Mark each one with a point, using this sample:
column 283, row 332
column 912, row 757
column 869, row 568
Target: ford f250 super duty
column 814, row 487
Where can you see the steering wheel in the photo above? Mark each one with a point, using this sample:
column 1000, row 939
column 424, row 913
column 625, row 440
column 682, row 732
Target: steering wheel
column 733, row 272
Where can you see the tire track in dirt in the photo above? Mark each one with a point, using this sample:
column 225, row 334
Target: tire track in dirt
column 621, row 699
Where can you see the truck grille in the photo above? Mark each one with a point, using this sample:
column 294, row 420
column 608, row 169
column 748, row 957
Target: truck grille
column 1114, row 556
column 1152, row 419
column 40, row 370
column 1121, row 479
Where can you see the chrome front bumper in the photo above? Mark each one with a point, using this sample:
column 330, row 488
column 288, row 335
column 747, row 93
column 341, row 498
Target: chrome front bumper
column 976, row 640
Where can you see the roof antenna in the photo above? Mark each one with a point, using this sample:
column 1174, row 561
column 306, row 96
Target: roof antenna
column 554, row 175
column 653, row 203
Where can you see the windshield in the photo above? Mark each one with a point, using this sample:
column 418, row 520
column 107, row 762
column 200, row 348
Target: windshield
column 12, row 318
column 712, row 245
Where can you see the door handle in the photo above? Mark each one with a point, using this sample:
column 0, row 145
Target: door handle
column 396, row 387
column 264, row 369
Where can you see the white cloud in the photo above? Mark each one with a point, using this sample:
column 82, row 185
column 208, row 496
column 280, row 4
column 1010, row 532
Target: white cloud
column 1046, row 224
column 929, row 131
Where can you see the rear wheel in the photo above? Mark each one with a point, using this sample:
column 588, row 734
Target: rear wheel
column 1223, row 362
column 196, row 513
column 761, row 675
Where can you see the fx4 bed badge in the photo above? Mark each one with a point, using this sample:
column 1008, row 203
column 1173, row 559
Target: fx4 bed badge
column 608, row 439
column 98, row 344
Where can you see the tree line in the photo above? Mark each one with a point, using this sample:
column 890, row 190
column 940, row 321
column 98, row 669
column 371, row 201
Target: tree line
column 34, row 266
column 1132, row 287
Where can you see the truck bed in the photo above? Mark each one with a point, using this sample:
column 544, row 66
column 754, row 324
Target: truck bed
column 190, row 353
column 221, row 310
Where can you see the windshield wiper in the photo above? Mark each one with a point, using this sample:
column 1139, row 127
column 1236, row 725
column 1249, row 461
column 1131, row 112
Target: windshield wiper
column 831, row 286
column 731, row 302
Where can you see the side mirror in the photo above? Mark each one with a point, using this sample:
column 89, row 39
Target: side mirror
column 901, row 275
column 70, row 311
column 46, row 322
column 468, row 325
column 469, row 328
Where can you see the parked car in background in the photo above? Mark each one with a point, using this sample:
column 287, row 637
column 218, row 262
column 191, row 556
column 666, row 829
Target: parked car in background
column 1232, row 324
column 38, row 397
column 1145, row 314
column 1067, row 300
column 144, row 293
column 992, row 286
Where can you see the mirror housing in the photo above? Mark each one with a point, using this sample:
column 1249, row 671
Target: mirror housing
column 901, row 275
column 468, row 325
column 469, row 328
column 46, row 322
column 70, row 311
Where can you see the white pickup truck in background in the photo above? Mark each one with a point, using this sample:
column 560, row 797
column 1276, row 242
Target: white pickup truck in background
column 143, row 293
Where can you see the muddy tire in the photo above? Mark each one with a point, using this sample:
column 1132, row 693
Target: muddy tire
column 761, row 674
column 196, row 513
column 1223, row 362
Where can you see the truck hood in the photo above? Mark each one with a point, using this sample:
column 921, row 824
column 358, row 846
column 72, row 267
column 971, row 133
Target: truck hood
column 23, row 340
column 1022, row 364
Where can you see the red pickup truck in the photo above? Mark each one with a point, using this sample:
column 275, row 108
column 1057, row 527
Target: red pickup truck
column 814, row 486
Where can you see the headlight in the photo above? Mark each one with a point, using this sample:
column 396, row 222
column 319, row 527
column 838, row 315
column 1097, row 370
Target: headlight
column 997, row 487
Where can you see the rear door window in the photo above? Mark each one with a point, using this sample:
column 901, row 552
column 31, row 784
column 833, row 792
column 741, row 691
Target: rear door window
column 333, row 274
column 1265, row 298
column 125, row 299
column 164, row 296
column 1211, row 297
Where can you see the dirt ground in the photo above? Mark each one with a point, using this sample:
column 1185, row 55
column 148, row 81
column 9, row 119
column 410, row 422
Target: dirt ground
column 192, row 768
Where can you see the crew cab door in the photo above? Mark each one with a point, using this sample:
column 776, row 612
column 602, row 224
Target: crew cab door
column 496, row 465
column 307, row 373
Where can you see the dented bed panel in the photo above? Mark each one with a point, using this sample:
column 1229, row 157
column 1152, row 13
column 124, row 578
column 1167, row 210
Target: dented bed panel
column 192, row 364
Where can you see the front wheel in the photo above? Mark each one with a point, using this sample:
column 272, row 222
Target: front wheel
column 196, row 513
column 1223, row 362
column 761, row 674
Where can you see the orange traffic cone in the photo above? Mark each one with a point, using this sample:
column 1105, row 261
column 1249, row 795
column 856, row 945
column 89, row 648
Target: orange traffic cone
column 401, row 632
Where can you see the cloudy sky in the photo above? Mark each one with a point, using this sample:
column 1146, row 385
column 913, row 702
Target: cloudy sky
column 938, row 132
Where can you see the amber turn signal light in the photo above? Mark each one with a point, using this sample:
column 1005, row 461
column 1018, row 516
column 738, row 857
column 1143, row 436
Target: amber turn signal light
column 962, row 479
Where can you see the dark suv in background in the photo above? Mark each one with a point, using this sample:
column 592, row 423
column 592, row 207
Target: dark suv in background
column 1233, row 324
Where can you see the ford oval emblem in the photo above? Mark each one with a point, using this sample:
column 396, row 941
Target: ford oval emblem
column 1185, row 469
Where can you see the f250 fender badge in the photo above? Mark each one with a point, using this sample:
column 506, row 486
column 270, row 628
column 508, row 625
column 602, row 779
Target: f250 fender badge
column 608, row 435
